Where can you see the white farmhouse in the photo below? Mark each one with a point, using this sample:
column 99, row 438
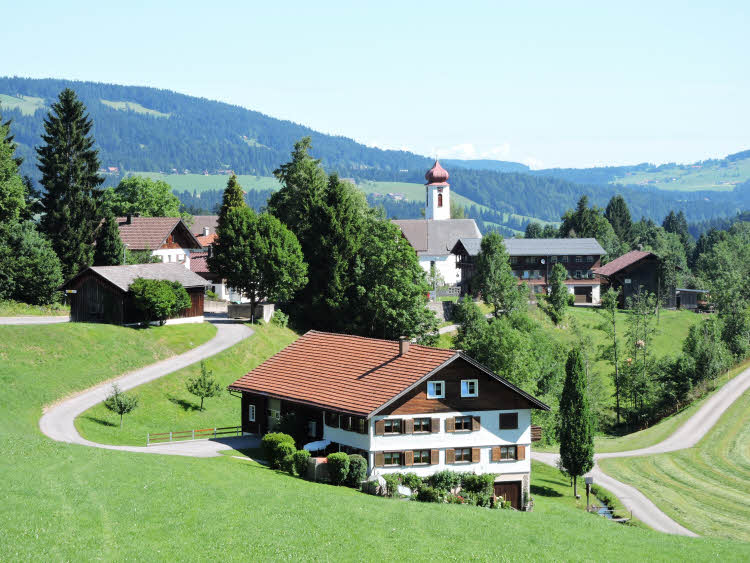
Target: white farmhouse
column 402, row 406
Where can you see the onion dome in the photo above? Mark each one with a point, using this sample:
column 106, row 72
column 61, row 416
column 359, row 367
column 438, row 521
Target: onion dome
column 437, row 175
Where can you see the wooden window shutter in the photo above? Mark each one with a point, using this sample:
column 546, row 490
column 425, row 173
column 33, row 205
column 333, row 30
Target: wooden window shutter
column 380, row 428
column 496, row 454
column 434, row 457
column 408, row 457
column 475, row 423
column 408, row 426
column 450, row 456
column 435, row 425
column 379, row 459
column 520, row 452
column 450, row 424
column 475, row 455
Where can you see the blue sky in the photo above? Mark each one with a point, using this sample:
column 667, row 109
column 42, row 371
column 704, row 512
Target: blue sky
column 545, row 83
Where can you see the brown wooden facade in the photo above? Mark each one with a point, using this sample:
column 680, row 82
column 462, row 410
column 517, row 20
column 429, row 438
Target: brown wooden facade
column 97, row 300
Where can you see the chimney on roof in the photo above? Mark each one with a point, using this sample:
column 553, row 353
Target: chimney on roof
column 129, row 219
column 403, row 345
column 205, row 231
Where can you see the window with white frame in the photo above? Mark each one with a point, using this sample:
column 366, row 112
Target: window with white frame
column 564, row 258
column 435, row 389
column 251, row 413
column 469, row 387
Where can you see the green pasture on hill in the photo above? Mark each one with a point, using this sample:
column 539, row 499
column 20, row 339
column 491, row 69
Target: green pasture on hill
column 26, row 104
column 705, row 488
column 166, row 406
column 202, row 183
column 70, row 502
column 134, row 107
column 718, row 176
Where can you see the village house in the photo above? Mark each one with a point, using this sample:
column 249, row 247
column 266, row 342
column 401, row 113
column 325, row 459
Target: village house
column 434, row 237
column 402, row 406
column 532, row 260
column 101, row 294
column 166, row 237
column 634, row 272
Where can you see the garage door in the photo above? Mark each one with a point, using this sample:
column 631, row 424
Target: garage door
column 510, row 490
column 582, row 294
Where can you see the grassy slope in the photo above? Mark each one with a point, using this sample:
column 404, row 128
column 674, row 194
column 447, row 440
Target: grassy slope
column 27, row 104
column 165, row 405
column 705, row 488
column 66, row 502
column 705, row 177
column 17, row 309
column 134, row 107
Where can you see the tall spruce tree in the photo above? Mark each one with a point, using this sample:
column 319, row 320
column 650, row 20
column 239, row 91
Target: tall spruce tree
column 12, row 188
column 618, row 215
column 494, row 277
column 233, row 197
column 69, row 164
column 575, row 430
column 109, row 248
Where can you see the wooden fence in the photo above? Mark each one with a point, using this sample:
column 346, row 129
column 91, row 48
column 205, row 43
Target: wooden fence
column 186, row 435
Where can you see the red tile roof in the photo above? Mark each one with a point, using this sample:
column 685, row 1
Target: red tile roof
column 149, row 233
column 199, row 262
column 342, row 372
column 206, row 240
column 622, row 262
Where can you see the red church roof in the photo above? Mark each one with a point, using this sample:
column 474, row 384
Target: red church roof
column 437, row 175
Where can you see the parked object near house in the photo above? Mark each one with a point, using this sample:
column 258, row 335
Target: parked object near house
column 100, row 294
column 636, row 271
column 166, row 237
column 434, row 237
column 402, row 406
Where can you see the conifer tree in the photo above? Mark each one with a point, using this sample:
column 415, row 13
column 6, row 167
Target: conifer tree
column 12, row 188
column 233, row 197
column 618, row 215
column 109, row 248
column 494, row 277
column 69, row 164
column 575, row 431
column 558, row 296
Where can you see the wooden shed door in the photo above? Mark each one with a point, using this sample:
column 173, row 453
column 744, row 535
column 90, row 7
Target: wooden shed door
column 510, row 490
column 582, row 294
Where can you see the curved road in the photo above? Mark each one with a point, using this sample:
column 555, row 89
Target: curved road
column 686, row 436
column 57, row 422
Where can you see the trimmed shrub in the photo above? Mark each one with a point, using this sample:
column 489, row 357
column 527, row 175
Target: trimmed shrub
column 338, row 467
column 392, row 481
column 300, row 459
column 287, row 464
column 280, row 319
column 412, row 480
column 371, row 487
column 159, row 300
column 357, row 470
column 284, row 452
column 444, row 480
column 270, row 444
column 428, row 494
column 477, row 484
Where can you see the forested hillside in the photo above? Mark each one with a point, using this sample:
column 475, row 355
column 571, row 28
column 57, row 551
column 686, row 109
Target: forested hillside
column 140, row 129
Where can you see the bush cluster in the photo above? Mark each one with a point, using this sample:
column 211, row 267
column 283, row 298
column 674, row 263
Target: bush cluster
column 273, row 450
column 300, row 459
column 357, row 471
column 280, row 319
column 338, row 467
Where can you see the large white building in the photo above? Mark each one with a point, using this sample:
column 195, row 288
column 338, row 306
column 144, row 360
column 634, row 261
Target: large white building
column 402, row 406
column 435, row 236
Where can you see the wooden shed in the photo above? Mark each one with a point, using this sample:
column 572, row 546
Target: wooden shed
column 101, row 294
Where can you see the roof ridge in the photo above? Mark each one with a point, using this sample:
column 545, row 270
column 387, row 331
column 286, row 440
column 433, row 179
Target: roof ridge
column 389, row 341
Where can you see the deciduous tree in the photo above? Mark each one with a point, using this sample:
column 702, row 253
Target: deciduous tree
column 495, row 279
column 204, row 385
column 558, row 295
column 158, row 300
column 120, row 402
column 69, row 164
column 610, row 349
column 144, row 196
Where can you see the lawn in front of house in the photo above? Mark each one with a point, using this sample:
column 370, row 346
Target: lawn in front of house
column 165, row 405
column 10, row 308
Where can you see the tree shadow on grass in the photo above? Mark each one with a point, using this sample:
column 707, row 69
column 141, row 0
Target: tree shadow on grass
column 185, row 405
column 100, row 421
column 544, row 491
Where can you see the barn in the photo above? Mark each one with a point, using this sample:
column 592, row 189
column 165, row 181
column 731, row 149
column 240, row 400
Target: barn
column 101, row 294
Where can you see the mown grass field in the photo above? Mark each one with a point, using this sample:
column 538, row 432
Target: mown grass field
column 26, row 104
column 18, row 309
column 705, row 488
column 166, row 406
column 202, row 183
column 134, row 107
column 69, row 502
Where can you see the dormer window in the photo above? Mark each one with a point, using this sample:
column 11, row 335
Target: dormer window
column 470, row 388
column 435, row 389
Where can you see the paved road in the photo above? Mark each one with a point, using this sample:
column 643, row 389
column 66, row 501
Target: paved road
column 57, row 421
column 33, row 320
column 686, row 436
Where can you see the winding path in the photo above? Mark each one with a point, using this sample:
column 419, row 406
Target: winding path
column 57, row 422
column 686, row 436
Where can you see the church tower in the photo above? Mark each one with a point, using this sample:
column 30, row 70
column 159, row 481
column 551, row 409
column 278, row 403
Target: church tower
column 438, row 204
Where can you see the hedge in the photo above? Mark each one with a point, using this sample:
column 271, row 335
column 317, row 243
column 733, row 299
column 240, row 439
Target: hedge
column 338, row 467
column 270, row 444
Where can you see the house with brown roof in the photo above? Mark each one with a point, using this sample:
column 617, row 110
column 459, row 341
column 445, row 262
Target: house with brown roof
column 634, row 272
column 403, row 406
column 166, row 237
column 101, row 294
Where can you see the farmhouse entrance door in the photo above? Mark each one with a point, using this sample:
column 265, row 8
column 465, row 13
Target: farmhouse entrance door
column 511, row 491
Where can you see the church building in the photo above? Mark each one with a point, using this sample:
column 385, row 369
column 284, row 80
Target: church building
column 435, row 236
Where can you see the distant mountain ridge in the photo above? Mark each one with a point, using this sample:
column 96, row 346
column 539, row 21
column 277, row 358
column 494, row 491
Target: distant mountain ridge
column 151, row 130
